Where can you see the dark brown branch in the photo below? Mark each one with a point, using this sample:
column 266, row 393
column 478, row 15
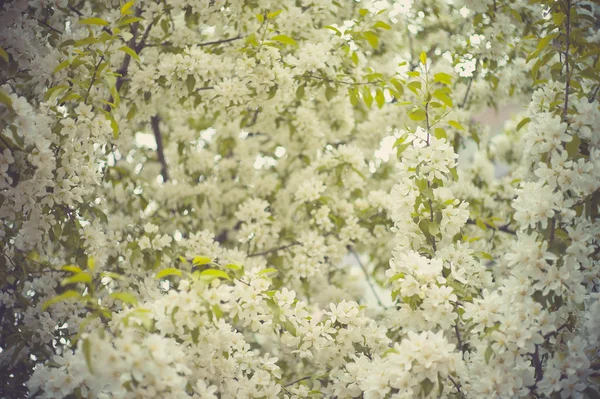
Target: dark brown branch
column 154, row 122
column 122, row 71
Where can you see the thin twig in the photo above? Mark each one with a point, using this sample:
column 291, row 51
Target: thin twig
column 274, row 249
column 221, row 41
column 567, row 44
column 466, row 97
column 367, row 276
column 503, row 229
column 48, row 26
column 93, row 79
column 433, row 241
column 459, row 339
column 455, row 385
column 298, row 380
column 310, row 76
column 164, row 171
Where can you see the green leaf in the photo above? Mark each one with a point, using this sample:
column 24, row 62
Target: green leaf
column 183, row 260
column 330, row 92
column 414, row 87
column 71, row 268
column 5, row 99
column 62, row 297
column 355, row 58
column 456, row 125
column 523, row 123
column 488, row 354
column 125, row 9
column 261, row 18
column 397, row 85
column 268, row 271
column 443, row 78
column 395, row 277
column 131, row 53
column 83, row 277
column 87, row 353
column 93, row 21
column 443, row 97
column 372, row 38
column 401, row 148
column 544, row 41
column 367, row 96
column 273, row 14
column 201, row 260
column 427, row 386
column 440, row 133
column 363, row 12
column 382, row 25
column 171, row 271
column 62, row 66
column 211, row 274
column 285, row 40
column 129, row 20
column 417, row 114
column 423, row 58
column 125, row 297
column 333, row 28
column 353, row 93
column 4, row 54
column 114, row 125
column 573, row 146
column 190, row 83
column 91, row 263
column 379, row 98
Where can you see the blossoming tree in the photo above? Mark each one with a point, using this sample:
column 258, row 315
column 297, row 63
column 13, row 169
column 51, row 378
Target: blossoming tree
column 183, row 184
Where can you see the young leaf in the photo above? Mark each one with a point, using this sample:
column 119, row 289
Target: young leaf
column 382, row 25
column 5, row 99
column 211, row 274
column 273, row 14
column 171, row 271
column 417, row 115
column 456, row 125
column 201, row 260
column 93, row 21
column 125, row 297
column 131, row 52
column 443, row 78
column 285, row 40
column 4, row 54
column 82, row 277
column 62, row 297
column 372, row 38
column 125, row 9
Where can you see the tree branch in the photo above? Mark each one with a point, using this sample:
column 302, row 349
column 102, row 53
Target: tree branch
column 274, row 249
column 154, row 122
column 503, row 229
column 87, row 94
column 367, row 276
column 567, row 44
